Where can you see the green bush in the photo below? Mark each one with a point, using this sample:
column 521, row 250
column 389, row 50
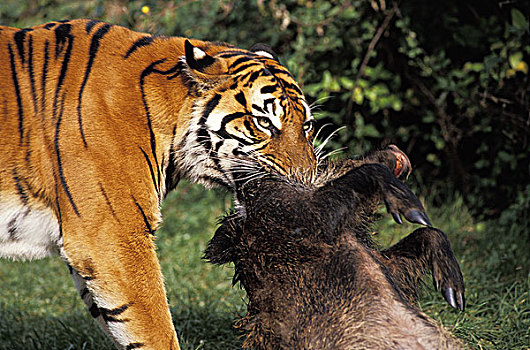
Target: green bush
column 446, row 81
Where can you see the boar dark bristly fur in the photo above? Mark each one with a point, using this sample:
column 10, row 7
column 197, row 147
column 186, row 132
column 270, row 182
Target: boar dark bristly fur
column 314, row 278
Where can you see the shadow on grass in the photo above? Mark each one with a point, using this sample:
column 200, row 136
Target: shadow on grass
column 198, row 328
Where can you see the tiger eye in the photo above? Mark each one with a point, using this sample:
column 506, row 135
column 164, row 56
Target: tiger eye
column 264, row 122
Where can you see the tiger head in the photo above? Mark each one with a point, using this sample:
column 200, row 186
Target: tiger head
column 249, row 118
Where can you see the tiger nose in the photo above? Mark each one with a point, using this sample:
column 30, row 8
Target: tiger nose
column 302, row 162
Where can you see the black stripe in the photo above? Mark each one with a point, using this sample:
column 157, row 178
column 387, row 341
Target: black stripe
column 147, row 224
column 17, row 92
column 249, row 127
column 269, row 89
column 107, row 200
column 58, row 155
column 204, row 139
column 117, row 310
column 134, row 346
column 12, row 228
column 269, row 104
column 210, row 105
column 253, row 78
column 202, row 134
column 44, row 73
column 62, row 35
column 243, row 67
column 59, row 215
column 263, row 146
column 228, row 118
column 20, row 189
column 283, row 82
column 240, row 97
column 94, row 311
column 237, row 152
column 50, row 25
column 90, row 24
column 172, row 176
column 109, row 314
column 150, row 69
column 225, row 135
column 272, row 158
column 291, row 86
column 32, row 74
column 179, row 68
column 94, row 46
column 218, row 145
column 241, row 60
column 146, row 40
column 83, row 293
column 153, row 178
column 176, row 69
column 232, row 53
column 20, row 38
column 258, row 108
column 279, row 70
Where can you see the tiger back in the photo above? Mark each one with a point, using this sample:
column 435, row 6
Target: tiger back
column 98, row 123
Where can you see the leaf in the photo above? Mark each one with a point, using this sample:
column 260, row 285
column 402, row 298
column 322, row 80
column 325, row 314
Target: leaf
column 347, row 83
column 358, row 95
column 522, row 67
column 518, row 19
column 474, row 67
column 515, row 59
column 371, row 131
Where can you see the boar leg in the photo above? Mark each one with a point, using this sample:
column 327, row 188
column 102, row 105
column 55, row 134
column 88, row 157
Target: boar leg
column 427, row 250
column 373, row 182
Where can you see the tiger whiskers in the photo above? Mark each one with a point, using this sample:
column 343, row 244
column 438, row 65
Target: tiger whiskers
column 330, row 153
column 318, row 150
column 315, row 138
column 315, row 105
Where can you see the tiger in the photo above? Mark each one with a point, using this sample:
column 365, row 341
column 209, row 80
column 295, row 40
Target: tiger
column 98, row 123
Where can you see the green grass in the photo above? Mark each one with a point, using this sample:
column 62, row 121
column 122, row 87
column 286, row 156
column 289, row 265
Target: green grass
column 40, row 308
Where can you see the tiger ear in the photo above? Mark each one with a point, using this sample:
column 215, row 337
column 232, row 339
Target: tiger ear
column 264, row 50
column 203, row 66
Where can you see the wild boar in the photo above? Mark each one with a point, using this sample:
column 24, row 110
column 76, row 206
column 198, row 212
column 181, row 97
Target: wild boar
column 314, row 277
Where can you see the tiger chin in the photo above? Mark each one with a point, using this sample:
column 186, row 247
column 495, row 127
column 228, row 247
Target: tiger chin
column 99, row 122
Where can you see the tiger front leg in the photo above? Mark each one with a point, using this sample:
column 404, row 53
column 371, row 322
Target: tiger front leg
column 427, row 250
column 118, row 276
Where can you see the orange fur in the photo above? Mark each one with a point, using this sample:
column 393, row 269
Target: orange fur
column 98, row 122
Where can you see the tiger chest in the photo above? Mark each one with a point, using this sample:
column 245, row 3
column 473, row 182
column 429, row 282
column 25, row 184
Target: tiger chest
column 27, row 233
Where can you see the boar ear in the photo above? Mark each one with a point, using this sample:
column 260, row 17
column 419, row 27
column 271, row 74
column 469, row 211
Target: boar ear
column 264, row 50
column 203, row 66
